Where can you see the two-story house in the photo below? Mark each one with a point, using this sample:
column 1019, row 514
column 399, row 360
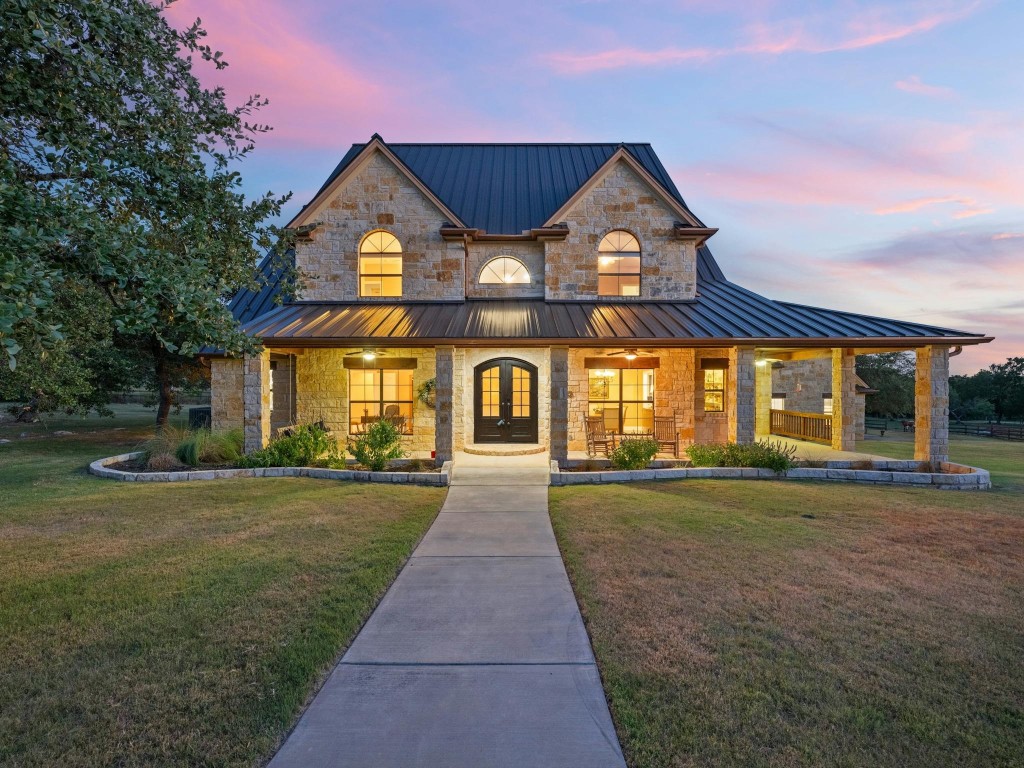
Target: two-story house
column 536, row 287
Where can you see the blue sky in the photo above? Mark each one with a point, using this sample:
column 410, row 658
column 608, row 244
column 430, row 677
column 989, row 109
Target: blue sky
column 865, row 156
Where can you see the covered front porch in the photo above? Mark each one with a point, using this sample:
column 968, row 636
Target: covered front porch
column 455, row 398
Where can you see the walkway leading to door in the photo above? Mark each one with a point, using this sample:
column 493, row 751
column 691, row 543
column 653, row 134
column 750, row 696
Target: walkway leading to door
column 477, row 655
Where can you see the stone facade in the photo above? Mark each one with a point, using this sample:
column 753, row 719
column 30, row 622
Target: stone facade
column 559, row 403
column 322, row 393
column 380, row 196
column 530, row 254
column 931, row 405
column 739, row 401
column 622, row 200
column 226, row 385
column 710, row 427
column 444, row 370
column 256, row 401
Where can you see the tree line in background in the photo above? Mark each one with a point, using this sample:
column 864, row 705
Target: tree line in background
column 995, row 393
column 123, row 227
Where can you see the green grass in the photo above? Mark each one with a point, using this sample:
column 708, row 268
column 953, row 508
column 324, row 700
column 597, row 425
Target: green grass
column 178, row 624
column 731, row 630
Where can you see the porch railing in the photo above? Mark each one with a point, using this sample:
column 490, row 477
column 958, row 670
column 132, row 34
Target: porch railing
column 816, row 427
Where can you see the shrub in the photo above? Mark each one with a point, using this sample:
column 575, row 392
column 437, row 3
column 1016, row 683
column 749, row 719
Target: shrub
column 634, row 454
column 206, row 447
column 306, row 445
column 159, row 451
column 377, row 446
column 762, row 454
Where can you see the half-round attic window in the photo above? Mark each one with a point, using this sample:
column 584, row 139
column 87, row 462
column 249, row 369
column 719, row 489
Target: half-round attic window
column 504, row 270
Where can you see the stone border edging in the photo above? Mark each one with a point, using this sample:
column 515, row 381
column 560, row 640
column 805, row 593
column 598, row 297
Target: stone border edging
column 954, row 477
column 101, row 468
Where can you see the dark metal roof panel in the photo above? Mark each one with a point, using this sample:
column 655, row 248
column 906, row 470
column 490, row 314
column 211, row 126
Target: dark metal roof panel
column 725, row 315
column 508, row 188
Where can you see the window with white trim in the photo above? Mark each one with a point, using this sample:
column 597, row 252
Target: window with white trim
column 618, row 265
column 380, row 265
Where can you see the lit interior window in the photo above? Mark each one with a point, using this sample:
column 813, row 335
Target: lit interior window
column 714, row 390
column 826, row 403
column 623, row 398
column 380, row 265
column 618, row 265
column 779, row 401
column 504, row 270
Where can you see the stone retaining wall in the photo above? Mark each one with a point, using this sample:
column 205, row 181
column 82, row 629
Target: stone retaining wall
column 101, row 468
column 952, row 477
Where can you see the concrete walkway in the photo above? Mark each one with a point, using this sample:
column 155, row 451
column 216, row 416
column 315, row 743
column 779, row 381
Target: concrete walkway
column 477, row 655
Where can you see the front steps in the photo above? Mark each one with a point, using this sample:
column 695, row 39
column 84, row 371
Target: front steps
column 505, row 449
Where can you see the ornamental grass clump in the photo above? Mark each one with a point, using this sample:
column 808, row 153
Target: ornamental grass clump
column 634, row 454
column 204, row 446
column 305, row 446
column 762, row 454
column 377, row 446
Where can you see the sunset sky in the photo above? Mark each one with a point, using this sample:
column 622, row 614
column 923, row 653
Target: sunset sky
column 864, row 156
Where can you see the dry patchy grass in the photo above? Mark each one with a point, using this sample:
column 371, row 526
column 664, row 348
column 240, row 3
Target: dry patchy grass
column 886, row 630
column 176, row 624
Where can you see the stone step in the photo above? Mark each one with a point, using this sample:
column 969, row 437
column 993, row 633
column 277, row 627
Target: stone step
column 505, row 449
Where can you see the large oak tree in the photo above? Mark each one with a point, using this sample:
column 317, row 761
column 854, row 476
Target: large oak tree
column 119, row 190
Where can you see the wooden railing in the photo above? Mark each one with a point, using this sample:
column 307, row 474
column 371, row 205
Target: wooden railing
column 816, row 427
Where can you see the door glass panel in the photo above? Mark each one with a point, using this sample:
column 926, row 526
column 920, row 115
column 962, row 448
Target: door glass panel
column 490, row 393
column 520, row 393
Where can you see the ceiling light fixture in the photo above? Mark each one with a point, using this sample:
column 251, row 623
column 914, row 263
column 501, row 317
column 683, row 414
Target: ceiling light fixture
column 369, row 354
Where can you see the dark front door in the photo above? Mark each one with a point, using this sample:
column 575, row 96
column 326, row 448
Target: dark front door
column 505, row 402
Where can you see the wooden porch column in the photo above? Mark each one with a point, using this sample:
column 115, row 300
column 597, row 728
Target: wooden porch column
column 444, row 378
column 559, row 404
column 740, row 396
column 256, row 401
column 931, row 405
column 844, row 400
column 763, row 399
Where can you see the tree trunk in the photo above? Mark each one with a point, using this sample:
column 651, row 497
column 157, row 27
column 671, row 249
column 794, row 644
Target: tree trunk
column 164, row 390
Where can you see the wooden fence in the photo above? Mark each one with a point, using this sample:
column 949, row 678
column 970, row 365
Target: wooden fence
column 816, row 427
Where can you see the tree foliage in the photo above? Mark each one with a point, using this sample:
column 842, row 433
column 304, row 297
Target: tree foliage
column 996, row 392
column 892, row 374
column 118, row 177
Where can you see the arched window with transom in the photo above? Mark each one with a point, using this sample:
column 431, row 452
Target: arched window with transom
column 618, row 265
column 380, row 265
column 504, row 270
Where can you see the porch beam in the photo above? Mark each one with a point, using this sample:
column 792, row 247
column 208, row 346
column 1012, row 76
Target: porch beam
column 931, row 405
column 844, row 400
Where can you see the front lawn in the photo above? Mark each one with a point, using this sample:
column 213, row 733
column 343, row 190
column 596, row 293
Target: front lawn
column 179, row 624
column 742, row 623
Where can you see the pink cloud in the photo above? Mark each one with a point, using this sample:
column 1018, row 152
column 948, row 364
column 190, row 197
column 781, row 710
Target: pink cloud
column 913, row 84
column 319, row 96
column 970, row 207
column 802, row 35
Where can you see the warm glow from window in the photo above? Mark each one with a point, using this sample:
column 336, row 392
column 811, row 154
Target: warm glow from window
column 624, row 399
column 380, row 265
column 376, row 394
column 778, row 402
column 714, row 391
column 826, row 404
column 618, row 266
column 504, row 270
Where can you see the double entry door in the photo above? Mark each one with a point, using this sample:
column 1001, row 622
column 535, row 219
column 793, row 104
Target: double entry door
column 505, row 402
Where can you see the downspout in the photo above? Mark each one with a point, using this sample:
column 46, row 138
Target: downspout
column 956, row 351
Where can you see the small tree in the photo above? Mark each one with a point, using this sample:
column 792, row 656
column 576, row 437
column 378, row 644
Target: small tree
column 377, row 446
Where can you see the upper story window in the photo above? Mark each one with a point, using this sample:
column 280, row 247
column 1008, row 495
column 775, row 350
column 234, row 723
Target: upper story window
column 618, row 265
column 380, row 265
column 504, row 270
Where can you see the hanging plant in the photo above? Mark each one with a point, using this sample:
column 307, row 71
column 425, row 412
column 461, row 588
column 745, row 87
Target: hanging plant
column 426, row 393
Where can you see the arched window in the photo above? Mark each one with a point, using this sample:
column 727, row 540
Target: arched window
column 504, row 270
column 380, row 265
column 618, row 265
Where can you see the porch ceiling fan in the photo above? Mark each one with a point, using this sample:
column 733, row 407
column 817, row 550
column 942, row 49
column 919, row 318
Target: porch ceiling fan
column 631, row 353
column 367, row 354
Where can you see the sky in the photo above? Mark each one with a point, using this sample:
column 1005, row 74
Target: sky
column 865, row 156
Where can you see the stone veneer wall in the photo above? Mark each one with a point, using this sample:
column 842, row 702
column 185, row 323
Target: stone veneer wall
column 622, row 200
column 256, row 401
column 710, row 427
column 322, row 393
column 226, row 384
column 844, row 400
column 673, row 390
column 740, row 397
column 380, row 196
column 532, row 256
column 804, row 382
